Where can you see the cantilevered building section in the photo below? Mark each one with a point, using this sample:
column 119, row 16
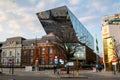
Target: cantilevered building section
column 61, row 21
column 111, row 38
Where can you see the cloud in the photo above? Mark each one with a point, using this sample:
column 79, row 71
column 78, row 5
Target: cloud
column 40, row 5
column 116, row 7
column 18, row 20
column 2, row 16
column 74, row 2
column 1, row 29
column 32, row 1
column 13, row 25
column 43, row 5
column 100, row 6
column 5, row 3
column 87, row 18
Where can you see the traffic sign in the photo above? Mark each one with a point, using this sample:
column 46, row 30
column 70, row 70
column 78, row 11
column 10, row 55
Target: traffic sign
column 114, row 63
column 69, row 64
column 114, row 60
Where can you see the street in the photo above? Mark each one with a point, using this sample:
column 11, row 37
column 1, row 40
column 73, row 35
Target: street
column 20, row 74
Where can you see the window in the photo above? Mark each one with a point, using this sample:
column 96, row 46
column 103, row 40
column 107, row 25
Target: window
column 32, row 52
column 25, row 52
column 50, row 50
column 17, row 42
column 42, row 60
column 50, row 60
column 3, row 60
column 3, row 54
column 18, row 61
column 31, row 60
column 10, row 54
column 18, row 54
column 43, row 50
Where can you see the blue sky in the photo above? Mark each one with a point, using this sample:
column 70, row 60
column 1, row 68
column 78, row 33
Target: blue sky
column 18, row 17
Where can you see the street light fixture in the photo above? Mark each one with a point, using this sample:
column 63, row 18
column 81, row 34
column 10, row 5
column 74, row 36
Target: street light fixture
column 77, row 55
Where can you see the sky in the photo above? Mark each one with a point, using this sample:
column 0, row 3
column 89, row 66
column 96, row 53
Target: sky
column 18, row 17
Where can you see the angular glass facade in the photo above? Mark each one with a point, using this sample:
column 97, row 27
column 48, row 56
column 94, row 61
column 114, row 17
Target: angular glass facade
column 81, row 32
column 63, row 20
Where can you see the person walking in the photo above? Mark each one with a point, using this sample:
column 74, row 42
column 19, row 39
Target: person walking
column 54, row 69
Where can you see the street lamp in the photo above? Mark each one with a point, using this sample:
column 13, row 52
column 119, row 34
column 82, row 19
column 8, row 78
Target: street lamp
column 77, row 55
column 36, row 64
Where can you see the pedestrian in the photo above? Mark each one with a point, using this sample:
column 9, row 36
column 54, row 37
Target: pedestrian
column 54, row 69
column 58, row 71
column 100, row 68
column 96, row 67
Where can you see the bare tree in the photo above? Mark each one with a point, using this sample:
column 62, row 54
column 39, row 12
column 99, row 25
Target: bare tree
column 68, row 41
column 117, row 52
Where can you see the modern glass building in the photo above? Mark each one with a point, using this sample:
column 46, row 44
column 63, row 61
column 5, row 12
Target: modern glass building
column 62, row 20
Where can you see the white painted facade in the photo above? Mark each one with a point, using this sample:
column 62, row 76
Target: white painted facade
column 11, row 49
column 114, row 31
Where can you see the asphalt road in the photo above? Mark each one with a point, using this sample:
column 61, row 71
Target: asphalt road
column 49, row 75
column 49, row 78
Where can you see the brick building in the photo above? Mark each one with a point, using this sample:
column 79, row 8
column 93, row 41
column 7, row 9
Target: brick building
column 44, row 50
column 27, row 52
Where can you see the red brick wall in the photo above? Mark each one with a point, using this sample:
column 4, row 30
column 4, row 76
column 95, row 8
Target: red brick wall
column 90, row 55
column 56, row 52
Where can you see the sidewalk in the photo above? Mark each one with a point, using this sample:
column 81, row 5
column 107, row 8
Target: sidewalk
column 63, row 74
column 107, row 74
column 88, row 73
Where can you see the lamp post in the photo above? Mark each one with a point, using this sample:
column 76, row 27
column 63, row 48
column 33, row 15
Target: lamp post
column 36, row 64
column 77, row 55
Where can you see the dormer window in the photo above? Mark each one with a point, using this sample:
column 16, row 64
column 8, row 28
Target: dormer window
column 32, row 44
